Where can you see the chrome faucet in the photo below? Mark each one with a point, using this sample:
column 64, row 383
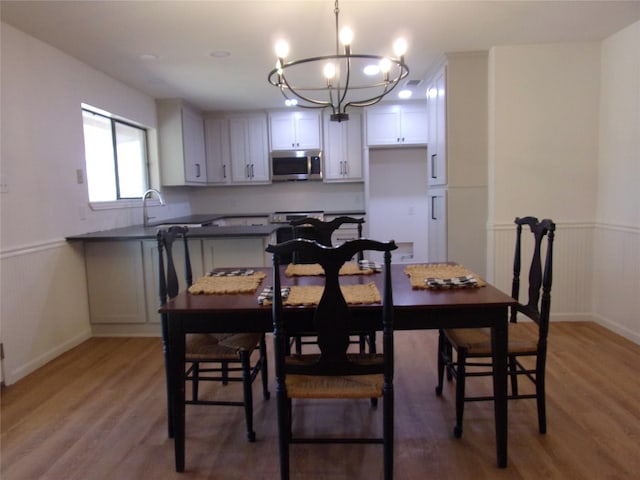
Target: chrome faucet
column 146, row 195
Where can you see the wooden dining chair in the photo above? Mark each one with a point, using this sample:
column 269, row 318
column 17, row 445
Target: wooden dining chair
column 527, row 333
column 322, row 232
column 220, row 358
column 333, row 373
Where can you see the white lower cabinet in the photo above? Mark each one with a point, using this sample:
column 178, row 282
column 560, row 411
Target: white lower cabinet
column 234, row 252
column 115, row 282
column 437, row 225
column 123, row 277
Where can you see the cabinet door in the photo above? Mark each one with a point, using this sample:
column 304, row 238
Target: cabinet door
column 115, row 282
column 152, row 276
column 258, row 148
column 436, row 104
column 195, row 169
column 383, row 125
column 413, row 124
column 217, row 150
column 239, row 148
column 307, row 128
column 343, row 149
column 249, row 154
column 234, row 252
column 437, row 226
column 294, row 130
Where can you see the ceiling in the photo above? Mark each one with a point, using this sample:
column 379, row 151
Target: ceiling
column 114, row 36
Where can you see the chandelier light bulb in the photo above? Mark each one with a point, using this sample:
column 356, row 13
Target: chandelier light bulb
column 329, row 70
column 400, row 47
column 385, row 65
column 282, row 49
column 346, row 36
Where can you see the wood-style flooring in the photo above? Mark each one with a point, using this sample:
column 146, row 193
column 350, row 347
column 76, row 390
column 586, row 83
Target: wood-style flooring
column 99, row 412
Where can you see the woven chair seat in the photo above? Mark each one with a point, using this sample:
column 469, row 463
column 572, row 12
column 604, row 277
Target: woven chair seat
column 214, row 347
column 342, row 386
column 523, row 339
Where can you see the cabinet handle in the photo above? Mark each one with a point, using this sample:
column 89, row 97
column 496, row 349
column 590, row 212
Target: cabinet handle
column 246, row 170
column 433, row 208
column 433, row 165
column 197, row 170
column 398, row 139
column 252, row 170
column 346, row 167
column 224, row 171
column 402, row 139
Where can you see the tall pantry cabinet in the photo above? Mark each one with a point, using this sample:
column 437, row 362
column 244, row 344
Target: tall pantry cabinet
column 458, row 158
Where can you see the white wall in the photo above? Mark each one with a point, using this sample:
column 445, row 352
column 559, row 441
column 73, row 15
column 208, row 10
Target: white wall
column 616, row 280
column 44, row 307
column 563, row 144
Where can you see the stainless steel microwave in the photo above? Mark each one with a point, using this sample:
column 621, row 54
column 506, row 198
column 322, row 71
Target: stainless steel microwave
column 291, row 165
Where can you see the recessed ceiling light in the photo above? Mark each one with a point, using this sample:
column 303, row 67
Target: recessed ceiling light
column 220, row 53
column 291, row 102
column 147, row 56
column 404, row 94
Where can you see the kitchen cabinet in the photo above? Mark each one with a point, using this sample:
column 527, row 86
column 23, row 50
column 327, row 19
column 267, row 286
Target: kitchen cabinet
column 437, row 225
column 437, row 111
column 345, row 232
column 181, row 144
column 248, row 148
column 115, row 282
column 234, row 252
column 343, row 149
column 397, row 124
column 217, row 150
column 295, row 130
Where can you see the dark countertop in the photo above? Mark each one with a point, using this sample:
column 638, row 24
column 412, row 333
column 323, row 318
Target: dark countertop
column 139, row 232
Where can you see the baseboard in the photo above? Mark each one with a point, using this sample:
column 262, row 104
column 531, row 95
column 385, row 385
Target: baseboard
column 619, row 329
column 34, row 364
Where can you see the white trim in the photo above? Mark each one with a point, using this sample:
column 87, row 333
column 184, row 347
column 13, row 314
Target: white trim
column 128, row 203
column 32, row 248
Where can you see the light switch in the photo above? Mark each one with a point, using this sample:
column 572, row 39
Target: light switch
column 79, row 176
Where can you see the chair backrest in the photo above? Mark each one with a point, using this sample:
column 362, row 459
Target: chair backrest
column 168, row 286
column 323, row 231
column 332, row 316
column 538, row 304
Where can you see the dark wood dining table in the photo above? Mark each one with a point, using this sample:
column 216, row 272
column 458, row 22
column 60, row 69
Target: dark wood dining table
column 414, row 309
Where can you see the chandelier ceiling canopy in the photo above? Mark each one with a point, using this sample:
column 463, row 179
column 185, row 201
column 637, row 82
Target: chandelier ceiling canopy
column 344, row 79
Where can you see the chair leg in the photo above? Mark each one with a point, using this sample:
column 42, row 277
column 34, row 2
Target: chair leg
column 264, row 370
column 460, row 386
column 513, row 373
column 195, row 380
column 245, row 357
column 298, row 343
column 225, row 373
column 388, row 429
column 540, row 397
column 441, row 361
column 284, row 430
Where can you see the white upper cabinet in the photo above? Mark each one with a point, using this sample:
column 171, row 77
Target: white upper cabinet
column 437, row 110
column 343, row 149
column 181, row 143
column 397, row 124
column 295, row 130
column 217, row 150
column 249, row 148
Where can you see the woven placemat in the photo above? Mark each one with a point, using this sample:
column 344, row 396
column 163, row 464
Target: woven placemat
column 419, row 273
column 315, row 269
column 212, row 285
column 353, row 294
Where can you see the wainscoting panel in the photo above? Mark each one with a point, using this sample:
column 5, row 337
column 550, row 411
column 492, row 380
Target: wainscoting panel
column 572, row 266
column 44, row 305
column 616, row 279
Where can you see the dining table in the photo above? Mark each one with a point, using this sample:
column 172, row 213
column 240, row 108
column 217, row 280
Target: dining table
column 414, row 309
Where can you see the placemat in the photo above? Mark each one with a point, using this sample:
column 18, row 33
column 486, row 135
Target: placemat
column 315, row 269
column 310, row 294
column 441, row 276
column 223, row 285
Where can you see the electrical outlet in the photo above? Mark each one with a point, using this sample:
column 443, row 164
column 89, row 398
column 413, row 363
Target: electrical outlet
column 79, row 176
column 4, row 184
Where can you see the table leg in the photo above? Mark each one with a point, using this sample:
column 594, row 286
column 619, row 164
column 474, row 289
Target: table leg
column 176, row 376
column 499, row 336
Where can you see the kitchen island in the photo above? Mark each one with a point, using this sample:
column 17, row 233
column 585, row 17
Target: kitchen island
column 122, row 266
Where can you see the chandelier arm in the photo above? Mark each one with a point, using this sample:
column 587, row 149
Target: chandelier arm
column 373, row 100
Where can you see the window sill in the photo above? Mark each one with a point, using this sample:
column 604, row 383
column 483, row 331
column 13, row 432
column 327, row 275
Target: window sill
column 117, row 204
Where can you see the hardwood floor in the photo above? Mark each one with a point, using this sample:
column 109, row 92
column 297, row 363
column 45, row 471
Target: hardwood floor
column 99, row 412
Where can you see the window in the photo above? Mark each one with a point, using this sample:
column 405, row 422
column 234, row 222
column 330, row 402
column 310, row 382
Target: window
column 116, row 158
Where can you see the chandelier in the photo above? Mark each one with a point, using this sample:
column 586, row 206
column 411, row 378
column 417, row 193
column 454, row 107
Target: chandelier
column 348, row 80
